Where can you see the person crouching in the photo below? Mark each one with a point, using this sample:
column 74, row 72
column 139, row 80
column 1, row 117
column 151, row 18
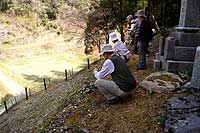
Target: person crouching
column 122, row 82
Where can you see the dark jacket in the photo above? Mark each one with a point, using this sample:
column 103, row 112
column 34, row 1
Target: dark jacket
column 145, row 32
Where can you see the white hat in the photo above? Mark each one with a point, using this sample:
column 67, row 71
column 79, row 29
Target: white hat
column 106, row 48
column 129, row 17
column 141, row 13
column 113, row 36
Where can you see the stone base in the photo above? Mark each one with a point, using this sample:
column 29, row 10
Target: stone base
column 177, row 51
column 180, row 66
column 187, row 39
column 184, row 53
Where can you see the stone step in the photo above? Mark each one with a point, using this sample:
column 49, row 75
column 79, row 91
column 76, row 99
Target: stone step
column 184, row 53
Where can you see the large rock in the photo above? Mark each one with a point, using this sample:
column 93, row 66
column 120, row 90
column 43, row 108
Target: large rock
column 183, row 115
column 161, row 82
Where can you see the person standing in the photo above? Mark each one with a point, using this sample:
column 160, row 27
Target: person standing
column 119, row 47
column 122, row 82
column 134, row 30
column 145, row 36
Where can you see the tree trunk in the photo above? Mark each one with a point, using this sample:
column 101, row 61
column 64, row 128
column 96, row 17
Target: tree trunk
column 121, row 22
column 163, row 14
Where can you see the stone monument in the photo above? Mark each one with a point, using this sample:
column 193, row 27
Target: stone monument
column 177, row 52
column 195, row 81
column 196, row 70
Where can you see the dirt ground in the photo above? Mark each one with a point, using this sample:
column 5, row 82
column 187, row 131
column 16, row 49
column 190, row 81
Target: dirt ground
column 142, row 112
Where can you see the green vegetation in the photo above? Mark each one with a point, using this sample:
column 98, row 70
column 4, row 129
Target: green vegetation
column 5, row 5
column 30, row 71
column 110, row 15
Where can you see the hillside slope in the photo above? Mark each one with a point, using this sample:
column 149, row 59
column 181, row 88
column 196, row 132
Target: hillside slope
column 29, row 115
column 65, row 107
column 35, row 46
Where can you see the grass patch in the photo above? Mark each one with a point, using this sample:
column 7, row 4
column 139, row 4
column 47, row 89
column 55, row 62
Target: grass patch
column 30, row 71
column 6, row 42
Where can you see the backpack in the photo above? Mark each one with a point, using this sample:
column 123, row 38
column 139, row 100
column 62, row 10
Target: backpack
column 147, row 30
column 149, row 33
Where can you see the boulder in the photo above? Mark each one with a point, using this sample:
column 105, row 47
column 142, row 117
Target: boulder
column 183, row 115
column 160, row 82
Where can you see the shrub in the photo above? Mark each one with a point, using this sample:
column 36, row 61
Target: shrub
column 5, row 5
column 51, row 13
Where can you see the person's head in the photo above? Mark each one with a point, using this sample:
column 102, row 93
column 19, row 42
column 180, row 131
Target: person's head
column 140, row 14
column 113, row 37
column 106, row 51
column 129, row 18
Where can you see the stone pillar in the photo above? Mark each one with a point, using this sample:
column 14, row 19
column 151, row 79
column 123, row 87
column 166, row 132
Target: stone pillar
column 195, row 81
column 196, row 70
column 189, row 15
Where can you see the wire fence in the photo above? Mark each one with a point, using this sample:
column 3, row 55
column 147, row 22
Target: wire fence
column 5, row 105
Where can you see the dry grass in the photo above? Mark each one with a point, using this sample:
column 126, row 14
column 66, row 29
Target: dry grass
column 63, row 106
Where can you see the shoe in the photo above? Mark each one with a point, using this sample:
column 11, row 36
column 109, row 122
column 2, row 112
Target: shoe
column 138, row 67
column 114, row 100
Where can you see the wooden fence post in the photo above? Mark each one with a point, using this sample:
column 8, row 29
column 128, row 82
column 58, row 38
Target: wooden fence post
column 45, row 85
column 26, row 91
column 72, row 72
column 88, row 63
column 66, row 74
column 49, row 81
column 29, row 90
column 5, row 106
